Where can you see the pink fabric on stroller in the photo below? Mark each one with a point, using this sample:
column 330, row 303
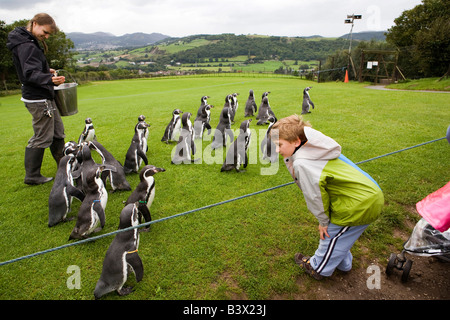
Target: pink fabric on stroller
column 435, row 208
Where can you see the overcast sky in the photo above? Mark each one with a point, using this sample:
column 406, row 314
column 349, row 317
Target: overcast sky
column 179, row 18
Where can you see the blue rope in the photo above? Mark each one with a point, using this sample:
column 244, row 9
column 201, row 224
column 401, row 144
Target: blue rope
column 188, row 212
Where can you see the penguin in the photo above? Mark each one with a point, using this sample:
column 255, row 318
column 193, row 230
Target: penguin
column 185, row 148
column 145, row 190
column 264, row 111
column 202, row 122
column 237, row 153
column 173, row 127
column 267, row 146
column 223, row 130
column 229, row 104
column 92, row 209
column 70, row 147
column 122, row 256
column 117, row 179
column 88, row 133
column 63, row 191
column 234, row 105
column 203, row 103
column 307, row 103
column 137, row 151
column 250, row 105
column 265, row 94
column 141, row 120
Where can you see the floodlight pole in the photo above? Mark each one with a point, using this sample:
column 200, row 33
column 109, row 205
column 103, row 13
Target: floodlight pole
column 350, row 19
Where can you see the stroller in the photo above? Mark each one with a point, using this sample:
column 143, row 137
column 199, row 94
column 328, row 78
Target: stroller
column 431, row 235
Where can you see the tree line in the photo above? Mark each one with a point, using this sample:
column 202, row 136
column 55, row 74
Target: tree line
column 259, row 48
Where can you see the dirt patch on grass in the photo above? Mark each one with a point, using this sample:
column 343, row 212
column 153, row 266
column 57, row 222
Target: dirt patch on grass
column 429, row 279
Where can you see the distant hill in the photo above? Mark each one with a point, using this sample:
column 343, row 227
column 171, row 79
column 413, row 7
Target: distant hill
column 106, row 41
column 367, row 35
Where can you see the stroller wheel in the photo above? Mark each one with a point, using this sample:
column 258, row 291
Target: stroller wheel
column 406, row 269
column 391, row 264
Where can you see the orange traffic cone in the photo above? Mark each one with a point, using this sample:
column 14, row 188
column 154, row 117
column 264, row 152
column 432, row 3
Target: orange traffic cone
column 346, row 76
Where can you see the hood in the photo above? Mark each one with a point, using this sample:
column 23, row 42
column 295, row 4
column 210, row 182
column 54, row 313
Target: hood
column 318, row 147
column 18, row 36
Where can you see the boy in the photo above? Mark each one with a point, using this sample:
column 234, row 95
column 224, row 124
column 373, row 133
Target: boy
column 341, row 196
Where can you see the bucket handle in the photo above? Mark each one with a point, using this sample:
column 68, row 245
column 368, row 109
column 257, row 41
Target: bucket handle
column 73, row 79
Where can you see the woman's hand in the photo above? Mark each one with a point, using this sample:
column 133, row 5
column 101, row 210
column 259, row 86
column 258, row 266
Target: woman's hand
column 58, row 80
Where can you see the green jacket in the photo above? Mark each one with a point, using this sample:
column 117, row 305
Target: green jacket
column 335, row 189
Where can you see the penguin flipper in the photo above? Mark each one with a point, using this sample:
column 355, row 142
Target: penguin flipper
column 264, row 145
column 230, row 133
column 75, row 192
column 135, row 262
column 76, row 174
column 143, row 209
column 143, row 156
column 208, row 127
column 193, row 147
column 101, row 213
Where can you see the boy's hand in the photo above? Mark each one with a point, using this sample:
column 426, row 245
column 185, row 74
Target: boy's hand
column 323, row 232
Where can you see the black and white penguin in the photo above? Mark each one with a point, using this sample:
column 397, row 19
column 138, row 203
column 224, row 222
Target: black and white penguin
column 185, row 149
column 63, row 191
column 234, row 105
column 70, row 147
column 88, row 133
column 92, row 210
column 146, row 126
column 203, row 103
column 122, row 256
column 202, row 122
column 173, row 127
column 223, row 130
column 229, row 104
column 145, row 190
column 237, row 153
column 264, row 95
column 307, row 103
column 137, row 152
column 267, row 146
column 250, row 105
column 117, row 179
column 265, row 111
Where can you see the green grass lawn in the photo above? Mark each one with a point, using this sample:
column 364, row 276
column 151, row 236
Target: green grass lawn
column 239, row 250
column 423, row 84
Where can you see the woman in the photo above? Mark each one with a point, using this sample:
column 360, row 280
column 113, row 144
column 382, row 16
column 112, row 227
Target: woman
column 38, row 95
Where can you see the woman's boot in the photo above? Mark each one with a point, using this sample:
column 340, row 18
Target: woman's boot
column 33, row 163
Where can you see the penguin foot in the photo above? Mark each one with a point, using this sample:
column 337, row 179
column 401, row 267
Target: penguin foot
column 125, row 291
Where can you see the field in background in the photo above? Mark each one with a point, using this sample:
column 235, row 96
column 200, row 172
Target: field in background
column 240, row 250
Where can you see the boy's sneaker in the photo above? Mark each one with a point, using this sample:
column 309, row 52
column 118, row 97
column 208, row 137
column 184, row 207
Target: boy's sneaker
column 303, row 262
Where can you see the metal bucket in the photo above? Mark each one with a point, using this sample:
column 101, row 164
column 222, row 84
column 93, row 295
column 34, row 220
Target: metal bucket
column 66, row 97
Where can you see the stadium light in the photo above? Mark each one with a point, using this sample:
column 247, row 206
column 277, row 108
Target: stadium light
column 350, row 19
